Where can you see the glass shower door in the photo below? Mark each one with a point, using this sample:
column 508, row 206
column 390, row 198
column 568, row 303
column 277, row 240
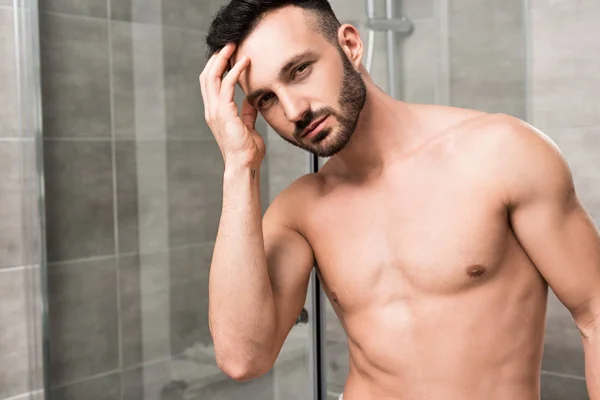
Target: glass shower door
column 133, row 196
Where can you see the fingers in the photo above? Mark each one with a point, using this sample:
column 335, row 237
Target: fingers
column 228, row 84
column 216, row 71
column 207, row 67
column 218, row 92
column 203, row 83
column 249, row 114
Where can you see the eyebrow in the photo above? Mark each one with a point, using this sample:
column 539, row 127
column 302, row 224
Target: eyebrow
column 282, row 73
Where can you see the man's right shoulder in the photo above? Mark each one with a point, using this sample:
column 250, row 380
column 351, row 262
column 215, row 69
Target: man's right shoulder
column 302, row 190
column 297, row 198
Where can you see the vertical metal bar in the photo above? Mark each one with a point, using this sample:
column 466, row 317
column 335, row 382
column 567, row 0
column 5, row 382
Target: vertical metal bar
column 527, row 39
column 442, row 85
column 317, row 323
column 371, row 8
column 391, row 49
column 371, row 43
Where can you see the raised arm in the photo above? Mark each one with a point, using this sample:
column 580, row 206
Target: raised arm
column 260, row 270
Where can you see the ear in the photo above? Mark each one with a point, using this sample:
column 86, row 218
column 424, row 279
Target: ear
column 351, row 43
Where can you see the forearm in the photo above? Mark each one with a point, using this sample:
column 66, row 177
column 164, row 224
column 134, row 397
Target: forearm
column 241, row 305
column 592, row 364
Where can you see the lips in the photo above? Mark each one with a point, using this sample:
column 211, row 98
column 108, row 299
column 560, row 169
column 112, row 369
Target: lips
column 313, row 126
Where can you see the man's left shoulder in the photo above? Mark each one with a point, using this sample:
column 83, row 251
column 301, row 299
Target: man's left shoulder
column 516, row 153
column 504, row 136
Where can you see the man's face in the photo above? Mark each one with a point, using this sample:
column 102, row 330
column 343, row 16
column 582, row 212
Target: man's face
column 297, row 79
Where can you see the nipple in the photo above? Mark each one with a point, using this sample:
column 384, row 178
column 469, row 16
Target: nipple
column 475, row 271
column 334, row 297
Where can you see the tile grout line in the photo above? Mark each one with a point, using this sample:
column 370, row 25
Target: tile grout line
column 14, row 139
column 118, row 139
column 18, row 55
column 114, row 190
column 128, row 254
column 115, row 197
column 24, row 396
column 119, row 371
column 18, row 268
column 562, row 375
column 88, row 378
column 98, row 19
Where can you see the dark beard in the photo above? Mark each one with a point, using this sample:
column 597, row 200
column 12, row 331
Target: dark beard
column 351, row 102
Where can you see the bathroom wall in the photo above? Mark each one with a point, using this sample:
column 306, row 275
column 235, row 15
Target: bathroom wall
column 20, row 311
column 465, row 53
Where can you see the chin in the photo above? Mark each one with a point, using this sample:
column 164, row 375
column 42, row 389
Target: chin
column 326, row 144
column 331, row 144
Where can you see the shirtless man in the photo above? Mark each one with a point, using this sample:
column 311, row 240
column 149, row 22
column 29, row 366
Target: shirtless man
column 436, row 231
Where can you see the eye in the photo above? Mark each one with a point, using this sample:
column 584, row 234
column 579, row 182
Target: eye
column 301, row 69
column 264, row 99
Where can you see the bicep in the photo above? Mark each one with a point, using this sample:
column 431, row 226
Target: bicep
column 289, row 261
column 554, row 228
column 562, row 241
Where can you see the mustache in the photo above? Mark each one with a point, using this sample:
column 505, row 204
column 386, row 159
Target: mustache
column 310, row 117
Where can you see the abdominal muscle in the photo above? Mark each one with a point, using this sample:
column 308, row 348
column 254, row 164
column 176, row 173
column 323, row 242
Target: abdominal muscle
column 484, row 344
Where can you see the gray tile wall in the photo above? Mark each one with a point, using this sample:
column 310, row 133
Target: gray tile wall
column 79, row 181
column 20, row 336
column 84, row 336
column 461, row 52
column 75, row 76
column 564, row 82
column 90, row 8
column 564, row 64
column 8, row 85
column 13, row 334
column 133, row 188
column 487, row 55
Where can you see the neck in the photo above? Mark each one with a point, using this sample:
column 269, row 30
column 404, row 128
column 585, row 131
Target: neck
column 385, row 127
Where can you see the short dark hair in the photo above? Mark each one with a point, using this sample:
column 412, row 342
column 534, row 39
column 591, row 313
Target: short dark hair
column 236, row 20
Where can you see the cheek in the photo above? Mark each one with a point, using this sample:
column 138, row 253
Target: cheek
column 328, row 84
column 277, row 120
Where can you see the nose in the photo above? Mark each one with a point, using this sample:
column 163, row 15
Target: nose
column 294, row 107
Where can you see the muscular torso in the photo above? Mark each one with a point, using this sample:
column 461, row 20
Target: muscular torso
column 438, row 298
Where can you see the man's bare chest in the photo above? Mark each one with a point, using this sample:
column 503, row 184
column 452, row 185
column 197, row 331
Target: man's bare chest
column 392, row 241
